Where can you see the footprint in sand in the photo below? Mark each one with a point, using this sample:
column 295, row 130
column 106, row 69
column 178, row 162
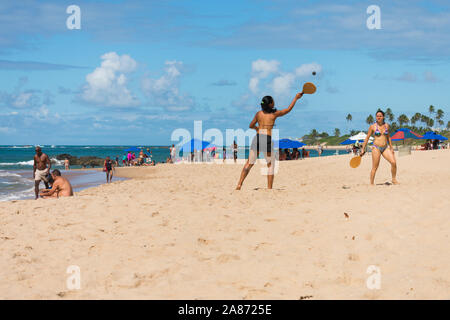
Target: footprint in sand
column 203, row 241
column 353, row 257
column 223, row 258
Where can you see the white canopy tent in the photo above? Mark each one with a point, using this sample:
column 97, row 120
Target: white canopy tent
column 360, row 136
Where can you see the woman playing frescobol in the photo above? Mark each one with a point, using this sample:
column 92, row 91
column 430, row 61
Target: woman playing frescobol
column 382, row 146
column 262, row 142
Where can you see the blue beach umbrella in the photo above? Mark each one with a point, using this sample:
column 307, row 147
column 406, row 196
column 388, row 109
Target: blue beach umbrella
column 194, row 144
column 430, row 135
column 289, row 144
column 133, row 149
column 350, row 141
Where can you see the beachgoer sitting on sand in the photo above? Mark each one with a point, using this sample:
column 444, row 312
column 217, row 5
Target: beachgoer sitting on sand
column 382, row 146
column 61, row 187
column 263, row 139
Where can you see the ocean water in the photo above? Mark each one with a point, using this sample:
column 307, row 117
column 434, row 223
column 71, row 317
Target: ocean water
column 16, row 165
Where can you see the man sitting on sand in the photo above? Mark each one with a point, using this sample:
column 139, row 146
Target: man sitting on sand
column 61, row 187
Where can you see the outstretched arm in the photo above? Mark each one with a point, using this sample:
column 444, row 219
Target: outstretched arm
column 283, row 112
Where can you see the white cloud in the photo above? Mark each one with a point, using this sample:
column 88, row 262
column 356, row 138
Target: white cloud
column 264, row 68
column 253, row 84
column 278, row 81
column 307, row 69
column 261, row 69
column 283, row 83
column 22, row 99
column 7, row 130
column 430, row 77
column 407, row 77
column 107, row 84
column 164, row 91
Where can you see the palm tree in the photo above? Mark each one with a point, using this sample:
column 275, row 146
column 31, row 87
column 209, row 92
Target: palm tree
column 424, row 119
column 441, row 122
column 369, row 120
column 430, row 123
column 402, row 119
column 389, row 115
column 337, row 132
column 314, row 133
column 431, row 110
column 349, row 117
column 439, row 116
column 415, row 118
column 448, row 125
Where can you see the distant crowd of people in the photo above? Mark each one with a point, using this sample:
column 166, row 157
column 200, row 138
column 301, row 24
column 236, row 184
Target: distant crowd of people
column 129, row 159
column 295, row 154
column 433, row 145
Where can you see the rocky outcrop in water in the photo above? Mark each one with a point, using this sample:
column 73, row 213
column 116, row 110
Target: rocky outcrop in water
column 87, row 161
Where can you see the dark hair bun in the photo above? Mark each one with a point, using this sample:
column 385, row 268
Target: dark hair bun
column 265, row 105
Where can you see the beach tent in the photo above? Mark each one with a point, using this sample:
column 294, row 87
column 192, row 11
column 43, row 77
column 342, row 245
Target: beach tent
column 133, row 149
column 289, row 144
column 430, row 135
column 360, row 137
column 195, row 144
column 404, row 133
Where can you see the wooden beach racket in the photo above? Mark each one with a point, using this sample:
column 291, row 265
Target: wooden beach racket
column 355, row 162
column 309, row 88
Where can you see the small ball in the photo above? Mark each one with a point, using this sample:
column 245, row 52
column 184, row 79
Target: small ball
column 314, row 73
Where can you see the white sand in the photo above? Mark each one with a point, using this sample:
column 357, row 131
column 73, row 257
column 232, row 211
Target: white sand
column 182, row 232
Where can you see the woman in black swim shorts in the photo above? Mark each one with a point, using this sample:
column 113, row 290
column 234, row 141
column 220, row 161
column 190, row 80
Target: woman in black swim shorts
column 262, row 142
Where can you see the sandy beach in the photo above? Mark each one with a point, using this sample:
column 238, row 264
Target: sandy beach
column 182, row 232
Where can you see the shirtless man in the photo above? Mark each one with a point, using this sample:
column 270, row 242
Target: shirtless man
column 67, row 164
column 61, row 187
column 263, row 139
column 41, row 168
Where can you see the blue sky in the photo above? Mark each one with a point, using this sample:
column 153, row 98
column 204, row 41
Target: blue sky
column 137, row 70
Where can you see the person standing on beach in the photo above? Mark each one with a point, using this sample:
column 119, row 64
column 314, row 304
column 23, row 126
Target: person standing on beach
column 382, row 146
column 67, row 164
column 263, row 139
column 224, row 153
column 129, row 158
column 41, row 168
column 172, row 153
column 108, row 167
column 235, row 151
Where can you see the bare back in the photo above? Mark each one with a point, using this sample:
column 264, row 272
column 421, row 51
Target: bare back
column 266, row 121
column 63, row 187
